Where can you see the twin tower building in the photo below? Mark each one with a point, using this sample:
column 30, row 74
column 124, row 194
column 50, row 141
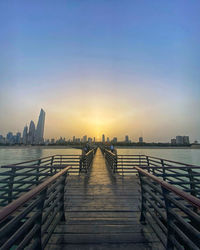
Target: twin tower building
column 35, row 135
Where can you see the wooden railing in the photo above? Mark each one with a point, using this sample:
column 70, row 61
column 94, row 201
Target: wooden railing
column 170, row 193
column 86, row 160
column 111, row 158
column 29, row 221
column 173, row 214
column 181, row 175
column 17, row 179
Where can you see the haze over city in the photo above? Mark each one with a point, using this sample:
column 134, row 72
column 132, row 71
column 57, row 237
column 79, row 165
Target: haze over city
column 101, row 67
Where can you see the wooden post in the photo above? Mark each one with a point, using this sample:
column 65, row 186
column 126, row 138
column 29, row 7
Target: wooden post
column 62, row 209
column 163, row 170
column 170, row 230
column 52, row 160
column 143, row 201
column 38, row 171
column 10, row 184
column 39, row 209
column 148, row 165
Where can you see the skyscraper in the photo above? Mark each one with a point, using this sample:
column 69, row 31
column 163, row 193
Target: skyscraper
column 141, row 139
column 31, row 133
column 126, row 139
column 9, row 137
column 39, row 135
column 25, row 135
column 18, row 137
column 85, row 138
column 179, row 139
column 103, row 138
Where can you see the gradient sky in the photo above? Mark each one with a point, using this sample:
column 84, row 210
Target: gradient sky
column 115, row 67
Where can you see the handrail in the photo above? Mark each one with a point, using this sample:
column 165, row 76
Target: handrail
column 188, row 197
column 20, row 178
column 163, row 159
column 10, row 208
column 181, row 163
column 86, row 160
column 111, row 158
column 173, row 214
column 30, row 220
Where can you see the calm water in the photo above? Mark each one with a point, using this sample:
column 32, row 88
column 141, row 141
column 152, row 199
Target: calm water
column 191, row 156
column 15, row 155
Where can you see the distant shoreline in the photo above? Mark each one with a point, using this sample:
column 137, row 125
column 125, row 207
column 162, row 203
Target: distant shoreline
column 153, row 147
column 117, row 147
column 32, row 147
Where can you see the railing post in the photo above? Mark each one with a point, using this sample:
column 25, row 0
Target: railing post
column 148, row 165
column 62, row 208
column 10, row 185
column 163, row 169
column 170, row 230
column 52, row 160
column 60, row 160
column 192, row 182
column 39, row 209
column 37, row 171
column 143, row 201
column 115, row 164
column 80, row 163
column 139, row 161
column 192, row 187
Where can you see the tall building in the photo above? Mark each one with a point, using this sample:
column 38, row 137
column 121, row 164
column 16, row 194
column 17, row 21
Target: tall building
column 103, row 138
column 31, row 133
column 85, row 138
column 39, row 134
column 89, row 139
column 94, row 139
column 9, row 137
column 2, row 139
column 18, row 137
column 114, row 140
column 126, row 139
column 179, row 139
column 186, row 140
column 140, row 139
column 25, row 135
column 108, row 140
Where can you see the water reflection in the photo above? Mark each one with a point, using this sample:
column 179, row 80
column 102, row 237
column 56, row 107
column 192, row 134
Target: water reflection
column 15, row 155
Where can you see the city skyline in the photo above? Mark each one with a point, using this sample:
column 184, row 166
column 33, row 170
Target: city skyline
column 30, row 136
column 115, row 68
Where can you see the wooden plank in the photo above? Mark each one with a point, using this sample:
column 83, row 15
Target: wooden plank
column 130, row 246
column 91, row 228
column 98, row 238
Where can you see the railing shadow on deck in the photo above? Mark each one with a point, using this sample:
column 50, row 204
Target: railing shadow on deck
column 170, row 193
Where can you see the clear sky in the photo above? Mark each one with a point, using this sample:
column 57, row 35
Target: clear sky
column 115, row 67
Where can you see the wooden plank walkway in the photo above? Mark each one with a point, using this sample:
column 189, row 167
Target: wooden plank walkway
column 102, row 213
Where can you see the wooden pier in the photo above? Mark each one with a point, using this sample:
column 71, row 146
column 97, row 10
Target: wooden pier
column 102, row 212
column 98, row 201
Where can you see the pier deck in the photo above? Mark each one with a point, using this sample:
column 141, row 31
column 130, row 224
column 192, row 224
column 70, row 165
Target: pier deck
column 101, row 212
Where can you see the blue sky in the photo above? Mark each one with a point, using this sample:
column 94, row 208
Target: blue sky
column 130, row 62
